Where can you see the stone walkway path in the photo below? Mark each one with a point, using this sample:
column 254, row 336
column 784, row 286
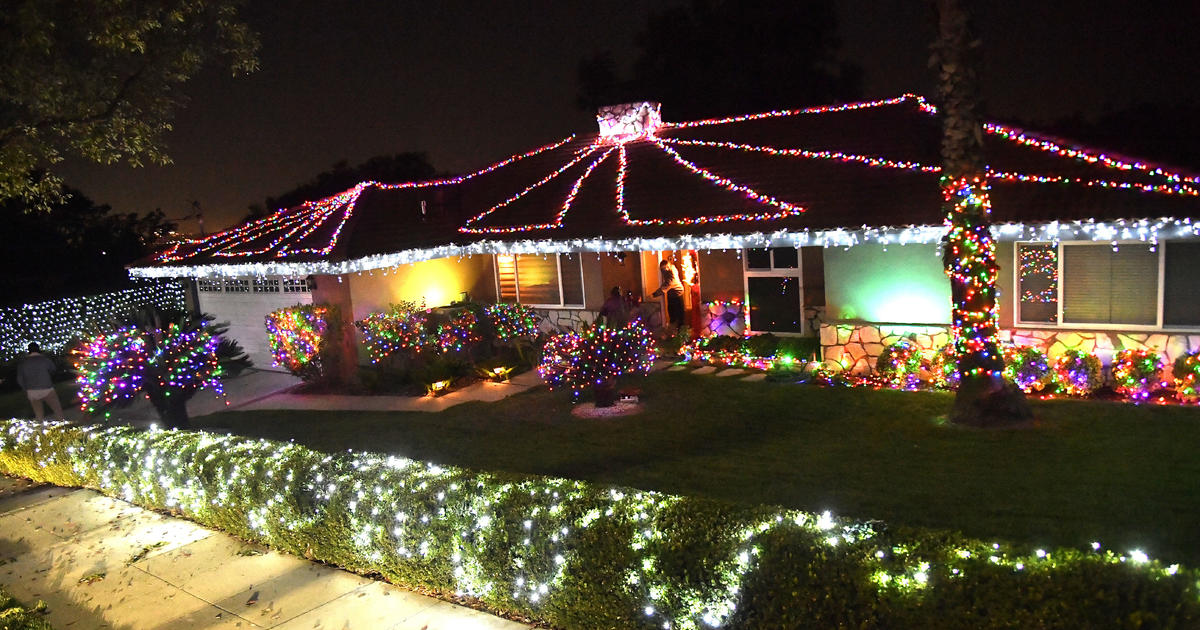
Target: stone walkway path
column 103, row 563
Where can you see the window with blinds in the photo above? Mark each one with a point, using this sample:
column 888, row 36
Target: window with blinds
column 1102, row 285
column 540, row 280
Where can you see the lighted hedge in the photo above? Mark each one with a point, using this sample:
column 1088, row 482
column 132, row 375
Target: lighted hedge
column 54, row 324
column 579, row 555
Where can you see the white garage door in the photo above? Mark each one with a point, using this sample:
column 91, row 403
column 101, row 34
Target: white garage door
column 245, row 302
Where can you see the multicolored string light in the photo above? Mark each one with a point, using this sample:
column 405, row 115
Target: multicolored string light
column 131, row 362
column 459, row 333
column 971, row 264
column 1029, row 368
column 1079, row 373
column 1136, row 372
column 899, row 365
column 402, row 328
column 1186, row 371
column 295, row 335
column 596, row 355
column 512, row 321
column 1039, row 263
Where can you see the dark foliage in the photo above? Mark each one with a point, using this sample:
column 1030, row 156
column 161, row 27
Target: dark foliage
column 401, row 167
column 75, row 248
column 720, row 57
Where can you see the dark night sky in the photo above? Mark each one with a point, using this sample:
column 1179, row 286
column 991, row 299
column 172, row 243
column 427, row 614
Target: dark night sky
column 473, row 82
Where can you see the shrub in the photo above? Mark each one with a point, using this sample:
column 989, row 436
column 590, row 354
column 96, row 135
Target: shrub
column 722, row 343
column 297, row 336
column 167, row 366
column 1135, row 372
column 801, row 348
column 899, row 365
column 1187, row 373
column 512, row 322
column 595, row 357
column 399, row 329
column 763, row 345
column 1029, row 368
column 828, row 373
column 944, row 367
column 459, row 334
column 580, row 555
column 15, row 616
column 1080, row 373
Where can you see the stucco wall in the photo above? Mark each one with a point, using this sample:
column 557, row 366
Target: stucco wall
column 899, row 283
column 618, row 271
column 439, row 282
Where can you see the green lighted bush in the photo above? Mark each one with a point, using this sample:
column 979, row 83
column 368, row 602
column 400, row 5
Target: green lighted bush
column 581, row 555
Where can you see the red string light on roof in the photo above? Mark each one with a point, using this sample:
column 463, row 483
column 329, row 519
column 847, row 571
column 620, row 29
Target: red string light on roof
column 924, row 105
column 868, row 160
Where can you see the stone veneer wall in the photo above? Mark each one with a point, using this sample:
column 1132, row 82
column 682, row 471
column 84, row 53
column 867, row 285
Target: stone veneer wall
column 556, row 320
column 729, row 319
column 858, row 344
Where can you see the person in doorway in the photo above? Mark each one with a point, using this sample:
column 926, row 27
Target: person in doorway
column 35, row 374
column 614, row 310
column 673, row 289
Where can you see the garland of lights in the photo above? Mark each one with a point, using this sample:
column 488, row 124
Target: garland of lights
column 1186, row 371
column 1136, row 372
column 899, row 365
column 295, row 335
column 596, row 355
column 944, row 367
column 117, row 367
column 54, row 324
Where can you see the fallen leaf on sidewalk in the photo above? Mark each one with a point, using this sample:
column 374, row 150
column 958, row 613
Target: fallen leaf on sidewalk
column 249, row 551
column 144, row 552
column 91, row 579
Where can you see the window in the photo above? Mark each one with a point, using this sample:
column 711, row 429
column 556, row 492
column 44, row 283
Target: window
column 540, row 280
column 266, row 285
column 1097, row 284
column 295, row 285
column 237, row 285
column 210, row 286
column 773, row 289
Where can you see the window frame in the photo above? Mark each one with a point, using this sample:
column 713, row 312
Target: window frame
column 559, row 266
column 796, row 272
column 1160, row 249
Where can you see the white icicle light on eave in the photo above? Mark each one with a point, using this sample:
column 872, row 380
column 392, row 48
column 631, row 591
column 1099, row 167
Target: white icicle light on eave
column 1144, row 230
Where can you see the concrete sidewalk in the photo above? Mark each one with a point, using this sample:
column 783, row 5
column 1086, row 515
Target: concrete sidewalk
column 103, row 563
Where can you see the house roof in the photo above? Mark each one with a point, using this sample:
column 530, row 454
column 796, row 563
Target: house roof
column 861, row 168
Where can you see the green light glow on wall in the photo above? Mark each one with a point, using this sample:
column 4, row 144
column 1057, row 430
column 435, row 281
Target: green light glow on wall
column 903, row 284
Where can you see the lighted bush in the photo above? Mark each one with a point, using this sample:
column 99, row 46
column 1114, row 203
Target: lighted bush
column 399, row 329
column 944, row 367
column 1135, row 372
column 1029, row 369
column 594, row 357
column 1187, row 374
column 577, row 555
column 899, row 365
column 458, row 334
column 1079, row 372
column 167, row 366
column 304, row 340
column 512, row 321
column 828, row 373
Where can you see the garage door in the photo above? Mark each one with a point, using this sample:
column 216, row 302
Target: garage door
column 245, row 302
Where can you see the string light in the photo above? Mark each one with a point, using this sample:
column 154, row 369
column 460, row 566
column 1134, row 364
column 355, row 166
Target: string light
column 130, row 362
column 578, row 360
column 54, row 324
column 513, row 321
column 295, row 335
column 1136, row 372
column 1187, row 376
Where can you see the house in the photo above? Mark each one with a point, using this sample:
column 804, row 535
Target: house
column 823, row 221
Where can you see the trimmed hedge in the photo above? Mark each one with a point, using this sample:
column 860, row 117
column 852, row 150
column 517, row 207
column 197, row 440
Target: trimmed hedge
column 580, row 555
column 15, row 616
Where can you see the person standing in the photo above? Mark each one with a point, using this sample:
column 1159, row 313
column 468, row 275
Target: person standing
column 614, row 310
column 35, row 374
column 673, row 289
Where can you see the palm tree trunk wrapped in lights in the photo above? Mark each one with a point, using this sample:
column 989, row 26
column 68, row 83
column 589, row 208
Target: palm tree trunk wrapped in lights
column 969, row 252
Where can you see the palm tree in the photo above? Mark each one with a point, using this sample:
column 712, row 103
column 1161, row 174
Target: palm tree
column 969, row 252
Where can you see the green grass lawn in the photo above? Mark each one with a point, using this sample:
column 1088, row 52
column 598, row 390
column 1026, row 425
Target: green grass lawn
column 1126, row 476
